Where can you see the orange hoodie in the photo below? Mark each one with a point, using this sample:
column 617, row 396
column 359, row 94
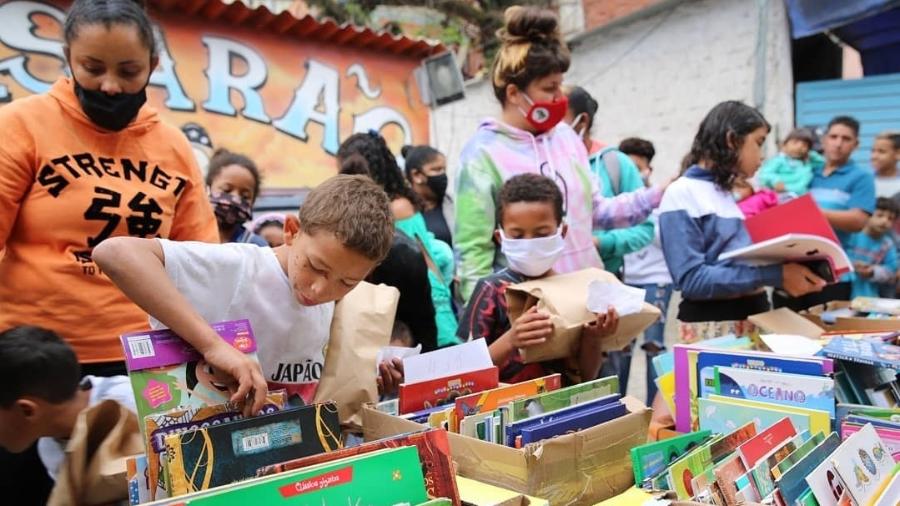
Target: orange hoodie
column 65, row 186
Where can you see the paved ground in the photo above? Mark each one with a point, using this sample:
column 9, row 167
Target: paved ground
column 637, row 384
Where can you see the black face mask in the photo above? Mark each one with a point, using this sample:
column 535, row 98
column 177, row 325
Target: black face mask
column 438, row 185
column 110, row 112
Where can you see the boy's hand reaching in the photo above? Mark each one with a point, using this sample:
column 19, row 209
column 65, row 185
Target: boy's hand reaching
column 242, row 370
column 530, row 328
column 390, row 376
column 605, row 325
column 798, row 280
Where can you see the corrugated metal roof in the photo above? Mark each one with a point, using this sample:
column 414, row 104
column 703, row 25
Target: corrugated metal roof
column 306, row 28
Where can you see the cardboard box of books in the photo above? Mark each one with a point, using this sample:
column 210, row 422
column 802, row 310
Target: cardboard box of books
column 564, row 298
column 581, row 467
column 846, row 316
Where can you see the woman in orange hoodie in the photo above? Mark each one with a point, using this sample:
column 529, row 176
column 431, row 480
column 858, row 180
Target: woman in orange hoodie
column 85, row 162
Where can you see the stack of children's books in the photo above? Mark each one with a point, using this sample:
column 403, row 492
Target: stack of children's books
column 471, row 402
column 200, row 450
column 775, row 464
column 754, row 425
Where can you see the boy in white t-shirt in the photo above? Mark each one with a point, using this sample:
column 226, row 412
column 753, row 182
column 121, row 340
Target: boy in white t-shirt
column 43, row 393
column 343, row 231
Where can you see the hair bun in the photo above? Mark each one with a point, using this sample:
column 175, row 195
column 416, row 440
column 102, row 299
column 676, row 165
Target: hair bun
column 529, row 24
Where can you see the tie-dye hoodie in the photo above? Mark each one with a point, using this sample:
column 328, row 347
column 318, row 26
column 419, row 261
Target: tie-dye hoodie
column 498, row 152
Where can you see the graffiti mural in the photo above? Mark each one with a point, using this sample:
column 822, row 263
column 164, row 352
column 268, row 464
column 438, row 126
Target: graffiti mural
column 284, row 101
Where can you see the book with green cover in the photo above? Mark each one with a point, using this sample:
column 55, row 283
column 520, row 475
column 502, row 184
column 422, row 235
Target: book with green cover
column 683, row 471
column 534, row 405
column 652, row 458
column 383, row 478
column 797, row 454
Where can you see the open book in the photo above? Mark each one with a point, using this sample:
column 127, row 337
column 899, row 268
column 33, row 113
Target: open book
column 814, row 251
column 796, row 231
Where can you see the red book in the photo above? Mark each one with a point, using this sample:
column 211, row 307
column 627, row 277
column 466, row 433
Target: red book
column 798, row 216
column 434, row 452
column 760, row 445
column 437, row 392
column 796, row 231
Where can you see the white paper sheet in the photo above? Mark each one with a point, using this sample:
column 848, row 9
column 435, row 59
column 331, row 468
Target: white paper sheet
column 391, row 352
column 626, row 299
column 787, row 344
column 471, row 356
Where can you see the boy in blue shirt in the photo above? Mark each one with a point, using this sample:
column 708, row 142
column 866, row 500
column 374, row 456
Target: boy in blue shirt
column 873, row 254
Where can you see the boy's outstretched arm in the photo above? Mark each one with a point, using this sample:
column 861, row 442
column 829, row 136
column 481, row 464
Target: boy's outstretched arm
column 137, row 267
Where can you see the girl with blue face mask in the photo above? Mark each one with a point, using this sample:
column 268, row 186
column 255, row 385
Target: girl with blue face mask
column 531, row 234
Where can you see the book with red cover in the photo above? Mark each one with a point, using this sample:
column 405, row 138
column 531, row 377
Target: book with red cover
column 763, row 443
column 798, row 216
column 439, row 391
column 794, row 231
column 434, row 453
column 490, row 400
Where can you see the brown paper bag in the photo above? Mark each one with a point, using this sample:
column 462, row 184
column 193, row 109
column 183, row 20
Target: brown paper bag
column 362, row 325
column 564, row 298
column 93, row 472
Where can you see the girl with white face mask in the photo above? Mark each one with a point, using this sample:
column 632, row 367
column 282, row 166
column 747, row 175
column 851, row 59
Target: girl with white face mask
column 531, row 234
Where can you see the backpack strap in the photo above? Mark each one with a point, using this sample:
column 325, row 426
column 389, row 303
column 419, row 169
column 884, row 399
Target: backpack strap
column 610, row 159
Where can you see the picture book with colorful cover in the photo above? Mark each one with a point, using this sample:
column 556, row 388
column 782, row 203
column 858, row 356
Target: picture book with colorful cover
column 727, row 472
column 221, row 454
column 489, row 400
column 434, row 453
column 796, row 455
column 383, row 478
column 708, row 360
column 771, row 437
column 813, row 392
column 440, row 391
column 864, row 351
column 721, row 412
column 704, row 486
column 159, row 425
column 720, row 415
column 761, row 473
column 467, row 426
column 581, row 420
column 792, row 483
column 167, row 373
column 825, row 484
column 138, row 481
column 546, row 402
column 890, row 437
column 683, row 471
column 652, row 458
column 730, row 442
column 863, row 463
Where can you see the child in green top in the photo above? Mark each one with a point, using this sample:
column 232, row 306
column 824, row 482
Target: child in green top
column 792, row 170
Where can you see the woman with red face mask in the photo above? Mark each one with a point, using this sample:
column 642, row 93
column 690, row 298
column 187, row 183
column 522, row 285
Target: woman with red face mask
column 529, row 137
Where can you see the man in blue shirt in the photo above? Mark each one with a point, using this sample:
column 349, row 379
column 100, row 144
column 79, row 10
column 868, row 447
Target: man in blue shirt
column 846, row 194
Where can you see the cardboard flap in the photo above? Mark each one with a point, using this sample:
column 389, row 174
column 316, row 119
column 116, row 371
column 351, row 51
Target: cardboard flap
column 785, row 321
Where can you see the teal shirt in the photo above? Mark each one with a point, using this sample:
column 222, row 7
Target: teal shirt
column 795, row 174
column 875, row 252
column 442, row 256
column 616, row 243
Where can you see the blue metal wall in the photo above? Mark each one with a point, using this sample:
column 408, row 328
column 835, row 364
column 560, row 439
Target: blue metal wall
column 874, row 101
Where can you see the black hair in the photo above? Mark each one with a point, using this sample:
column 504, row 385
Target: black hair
column 802, row 134
column 720, row 137
column 638, row 147
column 848, row 121
column 581, row 102
column 381, row 165
column 886, row 204
column 108, row 13
column 530, row 188
column 892, row 137
column 417, row 157
column 36, row 362
column 223, row 158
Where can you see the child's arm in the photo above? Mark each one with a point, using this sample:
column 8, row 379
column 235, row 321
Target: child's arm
column 529, row 329
column 860, row 205
column 137, row 267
